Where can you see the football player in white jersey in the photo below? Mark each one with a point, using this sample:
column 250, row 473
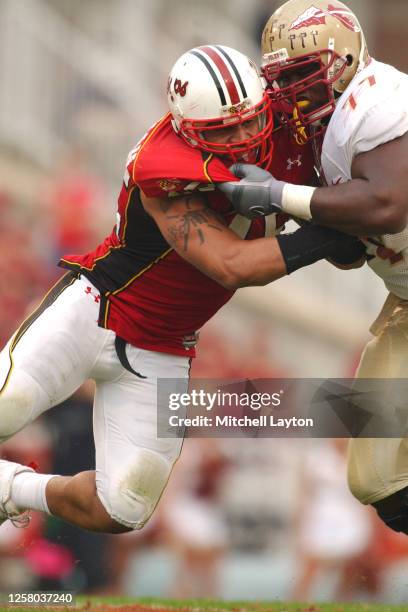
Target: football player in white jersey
column 329, row 90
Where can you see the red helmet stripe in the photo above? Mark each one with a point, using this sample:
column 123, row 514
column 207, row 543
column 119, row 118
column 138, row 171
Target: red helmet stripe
column 234, row 69
column 225, row 73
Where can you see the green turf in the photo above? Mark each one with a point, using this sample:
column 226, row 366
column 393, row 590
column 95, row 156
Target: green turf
column 209, row 604
column 196, row 605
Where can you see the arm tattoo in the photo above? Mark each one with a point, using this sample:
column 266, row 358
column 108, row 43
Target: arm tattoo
column 191, row 222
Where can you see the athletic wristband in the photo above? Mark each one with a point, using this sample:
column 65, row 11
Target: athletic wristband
column 309, row 244
column 296, row 200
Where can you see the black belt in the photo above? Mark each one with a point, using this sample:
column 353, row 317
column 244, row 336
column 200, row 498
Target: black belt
column 120, row 346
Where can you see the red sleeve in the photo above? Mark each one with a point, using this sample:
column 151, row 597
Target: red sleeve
column 165, row 166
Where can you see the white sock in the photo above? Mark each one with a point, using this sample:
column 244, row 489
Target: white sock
column 28, row 491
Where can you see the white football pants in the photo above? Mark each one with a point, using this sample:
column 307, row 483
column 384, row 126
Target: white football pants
column 54, row 351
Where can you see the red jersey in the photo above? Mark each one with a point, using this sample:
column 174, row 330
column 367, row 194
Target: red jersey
column 150, row 296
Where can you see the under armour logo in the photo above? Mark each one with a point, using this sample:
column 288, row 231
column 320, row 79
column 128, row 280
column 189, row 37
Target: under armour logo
column 294, row 162
column 96, row 296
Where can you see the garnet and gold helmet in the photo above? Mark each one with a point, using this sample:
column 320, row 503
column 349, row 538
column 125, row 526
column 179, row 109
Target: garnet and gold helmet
column 213, row 88
column 308, row 44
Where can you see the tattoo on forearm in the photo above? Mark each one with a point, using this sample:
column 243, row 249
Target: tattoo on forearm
column 184, row 226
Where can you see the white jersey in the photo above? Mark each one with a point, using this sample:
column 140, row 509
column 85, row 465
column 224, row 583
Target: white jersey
column 372, row 111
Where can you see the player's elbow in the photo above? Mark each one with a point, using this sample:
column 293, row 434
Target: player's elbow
column 223, row 267
column 232, row 280
column 390, row 221
column 236, row 275
column 223, row 275
column 238, row 281
column 246, row 266
column 391, row 213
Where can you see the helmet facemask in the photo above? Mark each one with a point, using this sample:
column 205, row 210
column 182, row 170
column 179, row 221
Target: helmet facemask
column 304, row 89
column 212, row 135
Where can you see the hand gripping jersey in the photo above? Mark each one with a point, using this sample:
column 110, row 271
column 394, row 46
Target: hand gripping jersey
column 150, row 296
column 372, row 111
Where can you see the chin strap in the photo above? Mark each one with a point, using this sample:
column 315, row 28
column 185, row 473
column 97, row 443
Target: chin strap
column 300, row 136
column 364, row 55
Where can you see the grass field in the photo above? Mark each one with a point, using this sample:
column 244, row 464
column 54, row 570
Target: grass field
column 112, row 604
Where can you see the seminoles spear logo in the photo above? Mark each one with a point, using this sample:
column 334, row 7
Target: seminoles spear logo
column 314, row 16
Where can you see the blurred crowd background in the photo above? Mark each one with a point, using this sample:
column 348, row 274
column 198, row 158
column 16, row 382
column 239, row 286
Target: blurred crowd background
column 263, row 519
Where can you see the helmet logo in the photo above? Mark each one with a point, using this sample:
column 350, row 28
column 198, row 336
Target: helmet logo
column 315, row 16
column 173, row 185
column 237, row 108
column 179, row 88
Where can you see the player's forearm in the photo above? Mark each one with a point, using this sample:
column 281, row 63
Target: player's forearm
column 357, row 207
column 197, row 234
column 259, row 262
column 252, row 263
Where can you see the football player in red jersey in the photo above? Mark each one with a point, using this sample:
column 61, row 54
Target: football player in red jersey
column 127, row 313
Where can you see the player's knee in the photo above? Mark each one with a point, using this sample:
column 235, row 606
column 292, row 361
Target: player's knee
column 133, row 496
column 361, row 491
column 16, row 407
column 393, row 511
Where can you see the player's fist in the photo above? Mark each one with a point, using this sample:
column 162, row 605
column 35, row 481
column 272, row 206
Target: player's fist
column 257, row 194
